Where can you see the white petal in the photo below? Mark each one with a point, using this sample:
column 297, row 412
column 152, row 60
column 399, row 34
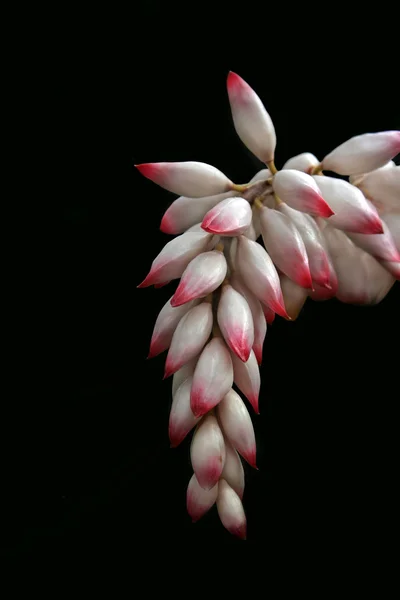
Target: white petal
column 185, row 212
column 382, row 187
column 237, row 425
column 199, row 500
column 181, row 419
column 230, row 217
column 207, row 452
column 201, row 277
column 236, row 322
column 302, row 162
column 230, row 510
column 233, row 471
column 184, row 372
column 165, row 326
column 247, row 378
column 301, row 192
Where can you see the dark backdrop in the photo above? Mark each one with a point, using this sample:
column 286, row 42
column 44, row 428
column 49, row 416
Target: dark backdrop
column 89, row 470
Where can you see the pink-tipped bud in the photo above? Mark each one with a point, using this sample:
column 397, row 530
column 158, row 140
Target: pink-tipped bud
column 236, row 322
column 213, row 377
column 185, row 212
column 313, row 242
column 230, row 510
column 247, row 378
column 392, row 268
column 300, row 191
column 233, row 471
column 381, row 246
column 252, row 122
column 192, row 179
column 259, row 321
column 259, row 274
column 363, row 153
column 175, row 257
column 382, row 187
column 207, row 452
column 302, row 162
column 294, row 295
column 201, row 277
column 230, row 217
column 285, row 246
column 352, row 211
column 165, row 326
column 184, row 372
column 237, row 426
column 181, row 418
column 198, row 500
column 191, row 334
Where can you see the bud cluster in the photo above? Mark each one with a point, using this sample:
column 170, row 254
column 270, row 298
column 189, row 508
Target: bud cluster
column 323, row 237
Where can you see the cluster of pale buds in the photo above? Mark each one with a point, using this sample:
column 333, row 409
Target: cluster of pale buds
column 323, row 237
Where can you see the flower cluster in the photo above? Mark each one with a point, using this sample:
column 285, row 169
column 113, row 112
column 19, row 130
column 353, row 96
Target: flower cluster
column 323, row 237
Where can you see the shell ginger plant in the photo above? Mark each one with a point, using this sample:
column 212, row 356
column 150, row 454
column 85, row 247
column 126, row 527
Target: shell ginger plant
column 323, row 236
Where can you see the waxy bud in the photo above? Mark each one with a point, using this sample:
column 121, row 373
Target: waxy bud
column 285, row 246
column 302, row 162
column 294, row 295
column 213, row 377
column 247, row 378
column 233, row 472
column 300, row 191
column 236, row 424
column 363, row 153
column 259, row 274
column 175, row 257
column 352, row 211
column 201, row 277
column 184, row 372
column 252, row 122
column 230, row 510
column 185, row 212
column 382, row 187
column 192, row 179
column 236, row 322
column 188, row 340
column 230, row 217
column 181, row 419
column 165, row 326
column 198, row 500
column 207, row 452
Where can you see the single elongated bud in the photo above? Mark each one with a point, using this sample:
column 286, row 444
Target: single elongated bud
column 259, row 274
column 165, row 326
column 230, row 510
column 352, row 211
column 192, row 179
column 236, row 322
column 237, row 426
column 393, row 223
column 312, row 238
column 285, row 246
column 185, row 212
column 381, row 246
column 207, row 452
column 363, row 153
column 294, row 295
column 328, row 290
column 301, row 192
column 252, row 122
column 247, row 378
column 175, row 257
column 213, row 377
column 259, row 321
column 201, row 277
column 198, row 500
column 302, row 162
column 233, row 472
column 382, row 187
column 184, row 372
column 181, row 418
column 392, row 268
column 230, row 217
column 188, row 340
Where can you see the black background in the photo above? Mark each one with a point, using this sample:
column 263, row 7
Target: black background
column 88, row 470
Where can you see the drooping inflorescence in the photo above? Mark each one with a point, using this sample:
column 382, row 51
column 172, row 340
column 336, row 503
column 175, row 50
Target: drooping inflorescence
column 323, row 237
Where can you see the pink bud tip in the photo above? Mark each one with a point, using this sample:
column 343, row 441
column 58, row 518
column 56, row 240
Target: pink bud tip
column 169, row 370
column 234, row 82
column 175, row 438
column 279, row 309
column 149, row 170
column 374, row 225
column 147, row 281
column 181, row 296
column 166, row 225
column 243, row 352
column 250, row 457
column 160, row 285
column 305, row 279
column 254, row 403
column 324, row 210
column 239, row 532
